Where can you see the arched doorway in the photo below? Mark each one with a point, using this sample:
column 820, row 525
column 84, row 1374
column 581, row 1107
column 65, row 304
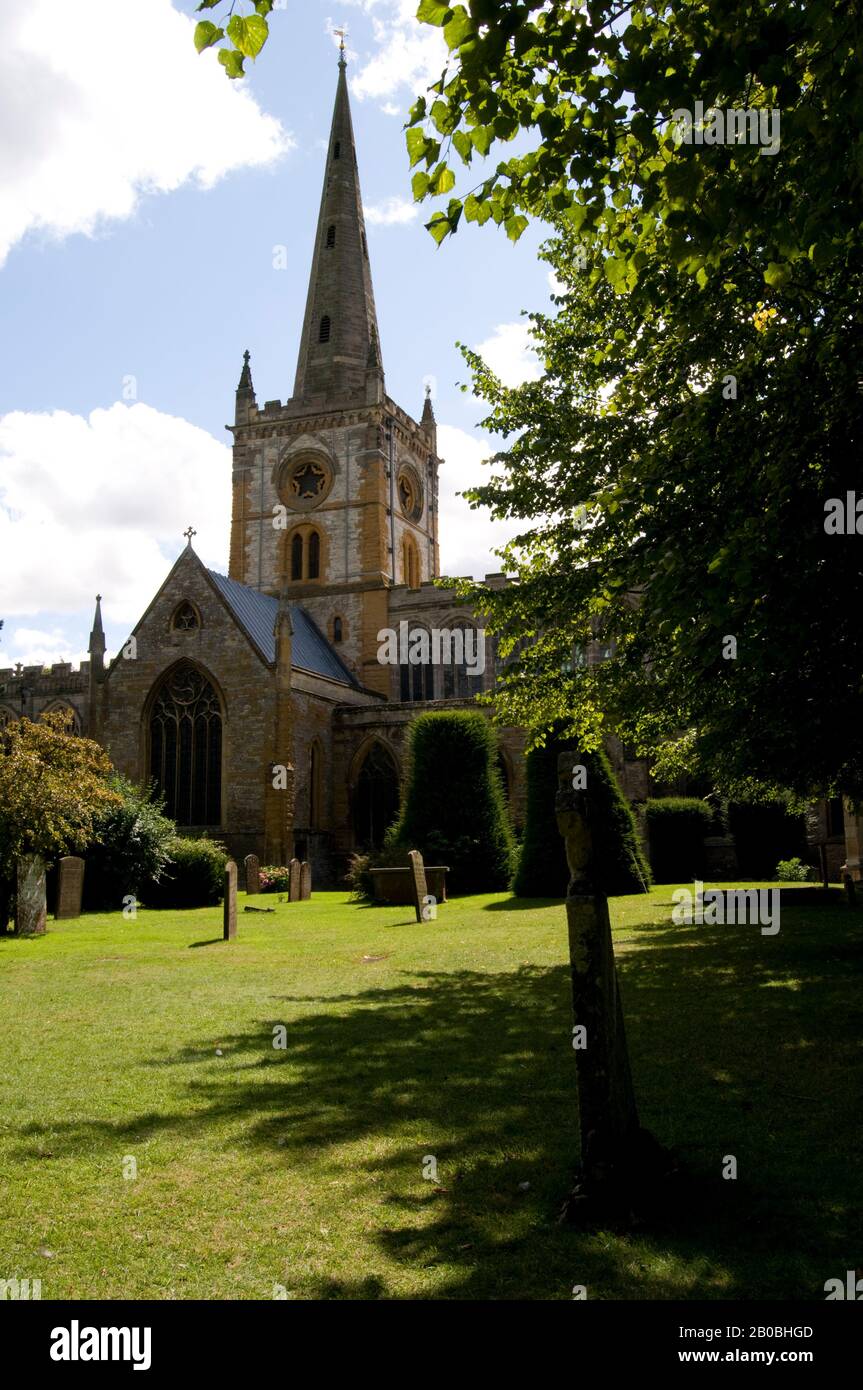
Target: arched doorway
column 376, row 797
column 186, row 746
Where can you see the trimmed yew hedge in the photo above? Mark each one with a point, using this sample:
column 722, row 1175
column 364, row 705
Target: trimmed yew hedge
column 542, row 868
column 453, row 808
column 676, row 828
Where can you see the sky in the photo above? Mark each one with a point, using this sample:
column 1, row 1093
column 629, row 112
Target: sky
column 157, row 219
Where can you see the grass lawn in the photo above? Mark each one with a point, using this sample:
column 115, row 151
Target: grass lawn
column 303, row 1167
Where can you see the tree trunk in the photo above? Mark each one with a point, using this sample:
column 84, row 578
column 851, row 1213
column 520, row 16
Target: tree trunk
column 618, row 1158
column 31, row 909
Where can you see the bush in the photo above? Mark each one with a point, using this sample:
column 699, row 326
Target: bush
column 542, row 868
column 793, row 871
column 453, row 809
column 677, row 826
column 359, row 878
column 764, row 833
column 194, row 877
column 275, row 878
column 130, row 848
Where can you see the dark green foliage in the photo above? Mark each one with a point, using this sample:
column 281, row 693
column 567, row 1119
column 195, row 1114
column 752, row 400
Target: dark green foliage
column 131, row 847
column 542, row 868
column 676, row 828
column 453, row 809
column 194, row 876
column 763, row 834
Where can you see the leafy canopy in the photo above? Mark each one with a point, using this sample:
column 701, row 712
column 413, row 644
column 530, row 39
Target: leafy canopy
column 53, row 788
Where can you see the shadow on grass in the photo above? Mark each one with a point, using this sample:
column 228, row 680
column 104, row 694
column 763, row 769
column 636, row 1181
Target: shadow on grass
column 742, row 1046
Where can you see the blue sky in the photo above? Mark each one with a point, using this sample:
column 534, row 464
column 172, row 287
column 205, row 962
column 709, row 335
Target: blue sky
column 144, row 197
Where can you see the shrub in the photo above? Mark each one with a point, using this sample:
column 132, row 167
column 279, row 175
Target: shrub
column 359, row 878
column 677, row 826
column 764, row 833
column 194, row 877
column 275, row 878
column 793, row 871
column 542, row 868
column 453, row 809
column 131, row 846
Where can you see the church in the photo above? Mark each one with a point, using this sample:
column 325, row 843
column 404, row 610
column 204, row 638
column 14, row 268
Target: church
column 256, row 701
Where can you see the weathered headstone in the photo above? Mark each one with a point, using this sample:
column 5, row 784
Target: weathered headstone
column 229, row 927
column 294, row 881
column 619, row 1159
column 70, row 886
column 31, row 909
column 305, row 880
column 253, row 874
column 418, row 881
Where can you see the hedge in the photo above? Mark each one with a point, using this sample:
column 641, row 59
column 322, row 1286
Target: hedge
column 194, row 877
column 542, row 868
column 453, row 809
column 676, row 827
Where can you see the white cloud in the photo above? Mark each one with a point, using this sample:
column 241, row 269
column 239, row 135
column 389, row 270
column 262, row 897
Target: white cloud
column 467, row 537
column 99, row 505
column 407, row 57
column 34, row 646
column 510, row 353
column 108, row 104
column 391, row 212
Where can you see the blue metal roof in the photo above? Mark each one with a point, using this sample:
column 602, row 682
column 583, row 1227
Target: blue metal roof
column 256, row 613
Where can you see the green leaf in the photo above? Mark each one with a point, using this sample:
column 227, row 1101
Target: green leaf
column 416, row 143
column 441, row 180
column 777, row 274
column 420, row 184
column 231, row 61
column 439, row 226
column 206, row 34
column 433, row 12
column 514, row 226
column 462, row 142
column 457, row 29
column 248, row 35
column 481, row 137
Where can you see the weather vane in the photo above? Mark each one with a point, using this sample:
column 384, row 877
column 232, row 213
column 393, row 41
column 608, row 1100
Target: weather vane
column 341, row 35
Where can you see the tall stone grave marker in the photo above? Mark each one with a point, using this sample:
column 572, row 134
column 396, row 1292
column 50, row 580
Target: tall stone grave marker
column 229, row 928
column 70, row 886
column 305, row 880
column 294, row 882
column 31, row 909
column 253, row 874
column 418, row 881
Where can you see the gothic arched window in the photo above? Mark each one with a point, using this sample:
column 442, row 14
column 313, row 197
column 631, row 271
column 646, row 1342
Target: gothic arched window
column 185, row 617
column 410, row 563
column 314, row 555
column 331, row 235
column 375, row 798
column 337, row 629
column 297, row 556
column 458, row 684
column 324, row 330
column 186, row 746
column 315, row 785
column 73, row 722
column 416, row 679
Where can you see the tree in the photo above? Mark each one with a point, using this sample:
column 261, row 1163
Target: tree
column 672, row 467
column 130, row 845
column 53, row 787
column 453, row 808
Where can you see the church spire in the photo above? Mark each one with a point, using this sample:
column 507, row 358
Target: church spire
column 339, row 359
column 96, row 646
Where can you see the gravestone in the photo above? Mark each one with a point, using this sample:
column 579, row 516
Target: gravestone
column 418, row 881
column 31, row 909
column 229, row 928
column 305, row 880
column 70, row 886
column 294, row 882
column 253, row 874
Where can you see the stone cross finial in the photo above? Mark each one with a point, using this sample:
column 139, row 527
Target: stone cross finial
column 189, row 534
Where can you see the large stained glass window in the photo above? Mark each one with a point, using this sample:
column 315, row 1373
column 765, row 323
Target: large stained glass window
column 186, row 746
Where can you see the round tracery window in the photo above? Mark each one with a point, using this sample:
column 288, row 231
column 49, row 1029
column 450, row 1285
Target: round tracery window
column 410, row 494
column 305, row 482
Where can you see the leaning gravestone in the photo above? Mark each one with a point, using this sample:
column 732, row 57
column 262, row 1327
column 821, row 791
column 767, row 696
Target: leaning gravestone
column 305, row 880
column 294, row 881
column 70, row 887
column 31, row 910
column 229, row 928
column 418, row 881
column 253, row 874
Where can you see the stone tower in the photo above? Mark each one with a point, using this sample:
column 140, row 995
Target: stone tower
column 335, row 492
